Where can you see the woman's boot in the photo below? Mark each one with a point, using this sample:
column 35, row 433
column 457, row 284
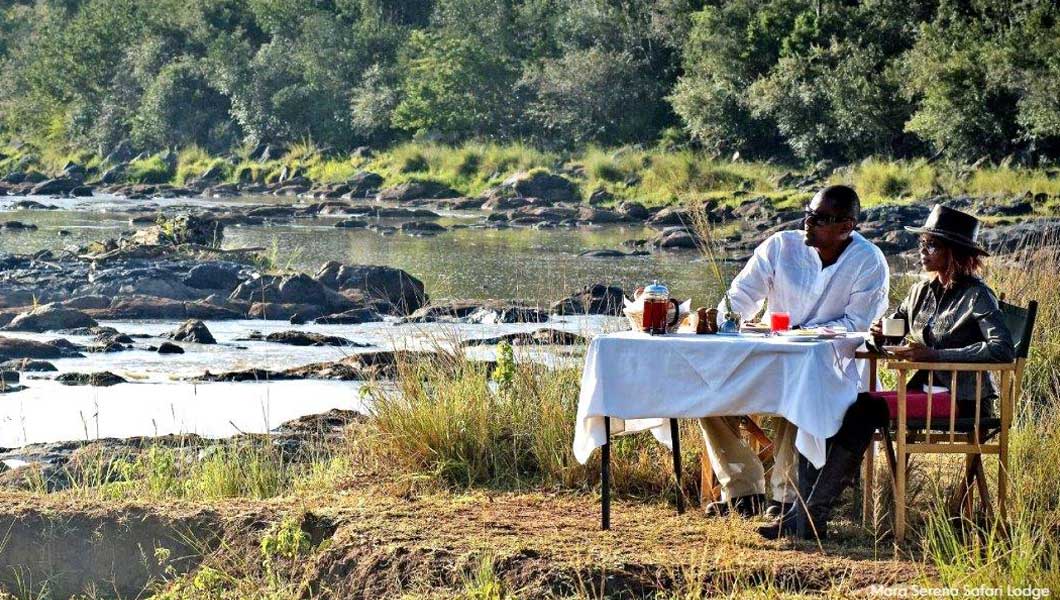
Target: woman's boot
column 838, row 472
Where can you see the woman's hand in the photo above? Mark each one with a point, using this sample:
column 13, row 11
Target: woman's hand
column 876, row 329
column 915, row 352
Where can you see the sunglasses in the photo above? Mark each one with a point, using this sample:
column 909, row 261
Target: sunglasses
column 930, row 246
column 817, row 218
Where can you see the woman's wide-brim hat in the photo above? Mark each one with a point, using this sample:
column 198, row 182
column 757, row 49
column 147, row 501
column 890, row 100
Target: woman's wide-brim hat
column 953, row 226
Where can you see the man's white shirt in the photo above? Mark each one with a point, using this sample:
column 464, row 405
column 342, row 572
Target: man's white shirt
column 787, row 274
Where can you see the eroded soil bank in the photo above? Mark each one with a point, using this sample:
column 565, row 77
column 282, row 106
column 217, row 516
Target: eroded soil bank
column 375, row 542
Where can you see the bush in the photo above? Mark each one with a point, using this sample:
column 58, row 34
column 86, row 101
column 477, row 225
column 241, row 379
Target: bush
column 153, row 169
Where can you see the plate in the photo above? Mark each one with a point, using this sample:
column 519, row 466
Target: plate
column 806, row 338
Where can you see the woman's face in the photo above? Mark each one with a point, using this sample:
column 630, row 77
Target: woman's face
column 934, row 254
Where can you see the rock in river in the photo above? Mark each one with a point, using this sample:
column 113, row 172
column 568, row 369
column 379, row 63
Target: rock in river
column 101, row 379
column 170, row 348
column 598, row 299
column 303, row 338
column 17, row 348
column 50, row 317
column 194, row 331
column 27, row 365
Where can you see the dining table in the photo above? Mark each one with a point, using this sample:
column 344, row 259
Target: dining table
column 633, row 381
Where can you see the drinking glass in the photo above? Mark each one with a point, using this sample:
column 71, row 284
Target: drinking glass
column 779, row 321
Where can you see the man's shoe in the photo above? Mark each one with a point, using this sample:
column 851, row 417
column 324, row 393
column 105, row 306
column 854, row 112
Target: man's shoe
column 745, row 506
column 785, row 525
column 776, row 509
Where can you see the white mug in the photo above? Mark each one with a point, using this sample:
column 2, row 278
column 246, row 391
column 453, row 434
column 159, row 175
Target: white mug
column 894, row 328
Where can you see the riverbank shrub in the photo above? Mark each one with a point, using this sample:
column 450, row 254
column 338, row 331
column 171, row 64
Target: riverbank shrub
column 153, row 169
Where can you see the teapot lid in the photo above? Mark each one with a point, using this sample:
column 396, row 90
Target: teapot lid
column 657, row 289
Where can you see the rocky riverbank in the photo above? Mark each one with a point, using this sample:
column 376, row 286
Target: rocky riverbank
column 530, row 199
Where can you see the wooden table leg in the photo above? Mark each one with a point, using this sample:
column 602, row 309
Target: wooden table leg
column 605, row 477
column 675, row 436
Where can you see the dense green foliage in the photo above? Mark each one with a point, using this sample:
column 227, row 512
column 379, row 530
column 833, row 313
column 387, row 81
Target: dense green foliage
column 795, row 79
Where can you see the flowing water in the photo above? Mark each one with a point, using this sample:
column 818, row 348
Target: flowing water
column 465, row 262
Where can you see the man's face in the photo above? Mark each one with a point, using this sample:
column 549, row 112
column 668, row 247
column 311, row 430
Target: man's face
column 825, row 223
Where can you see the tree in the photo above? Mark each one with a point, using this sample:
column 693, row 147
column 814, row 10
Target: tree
column 453, row 87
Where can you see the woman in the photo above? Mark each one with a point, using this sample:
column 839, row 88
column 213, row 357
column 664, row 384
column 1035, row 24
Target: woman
column 951, row 316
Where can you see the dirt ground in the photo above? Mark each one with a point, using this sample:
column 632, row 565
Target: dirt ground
column 370, row 541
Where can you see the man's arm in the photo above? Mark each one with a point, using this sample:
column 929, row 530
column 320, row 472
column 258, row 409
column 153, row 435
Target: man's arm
column 867, row 302
column 751, row 286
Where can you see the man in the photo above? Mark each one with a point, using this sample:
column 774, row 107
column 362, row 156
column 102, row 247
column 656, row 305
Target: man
column 826, row 274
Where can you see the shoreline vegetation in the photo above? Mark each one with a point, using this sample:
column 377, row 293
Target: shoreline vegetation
column 653, row 176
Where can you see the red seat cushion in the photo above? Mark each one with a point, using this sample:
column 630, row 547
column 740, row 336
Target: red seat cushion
column 916, row 404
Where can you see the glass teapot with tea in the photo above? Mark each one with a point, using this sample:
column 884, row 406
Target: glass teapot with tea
column 657, row 301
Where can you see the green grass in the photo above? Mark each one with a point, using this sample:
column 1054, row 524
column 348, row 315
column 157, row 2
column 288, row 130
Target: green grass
column 149, row 170
column 193, row 161
column 663, row 175
column 880, row 181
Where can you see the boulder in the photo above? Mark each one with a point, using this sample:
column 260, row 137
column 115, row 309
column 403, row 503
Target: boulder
column 28, row 365
column 362, row 184
column 17, row 348
column 351, row 224
column 416, row 190
column 32, row 205
column 59, row 185
column 600, row 196
column 355, row 316
column 597, row 299
column 114, row 174
column 422, row 227
column 539, row 337
column 292, row 289
column 446, row 312
column 544, row 185
column 170, row 348
column 497, row 202
column 492, row 315
column 50, row 317
column 395, row 286
column 676, row 238
column 214, row 276
column 303, row 338
column 193, row 331
column 670, row 216
column 100, row 379
column 87, row 302
column 184, row 229
column 151, row 307
column 274, row 311
column 596, row 215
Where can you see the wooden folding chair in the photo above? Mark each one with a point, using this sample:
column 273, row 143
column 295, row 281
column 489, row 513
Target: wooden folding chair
column 928, row 423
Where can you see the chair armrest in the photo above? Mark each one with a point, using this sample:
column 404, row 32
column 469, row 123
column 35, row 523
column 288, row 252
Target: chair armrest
column 870, row 355
column 908, row 365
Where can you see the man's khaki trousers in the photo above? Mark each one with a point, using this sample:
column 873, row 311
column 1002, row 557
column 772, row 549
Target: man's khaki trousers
column 737, row 467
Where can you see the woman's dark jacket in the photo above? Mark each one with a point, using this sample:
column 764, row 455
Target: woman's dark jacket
column 964, row 324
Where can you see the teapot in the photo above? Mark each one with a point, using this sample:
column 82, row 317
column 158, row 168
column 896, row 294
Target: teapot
column 656, row 299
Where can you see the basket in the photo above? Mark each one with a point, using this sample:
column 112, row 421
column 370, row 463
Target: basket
column 636, row 318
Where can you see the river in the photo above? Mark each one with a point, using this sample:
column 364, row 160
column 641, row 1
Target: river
column 537, row 265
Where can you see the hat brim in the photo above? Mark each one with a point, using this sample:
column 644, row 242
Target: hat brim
column 950, row 238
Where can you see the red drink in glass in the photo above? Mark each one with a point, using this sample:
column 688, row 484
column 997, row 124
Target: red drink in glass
column 779, row 321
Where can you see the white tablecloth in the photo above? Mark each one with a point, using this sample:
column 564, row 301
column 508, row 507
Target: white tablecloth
column 640, row 380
